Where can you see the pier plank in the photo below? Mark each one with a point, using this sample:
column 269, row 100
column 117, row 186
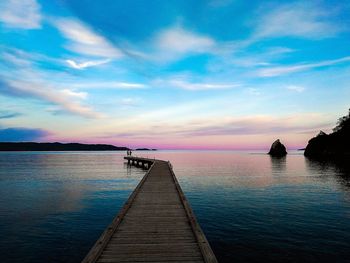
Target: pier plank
column 156, row 224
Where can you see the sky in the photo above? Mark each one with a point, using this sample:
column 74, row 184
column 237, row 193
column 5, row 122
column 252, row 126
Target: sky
column 176, row 74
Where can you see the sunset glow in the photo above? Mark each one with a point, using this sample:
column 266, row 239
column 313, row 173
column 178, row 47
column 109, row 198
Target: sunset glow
column 215, row 74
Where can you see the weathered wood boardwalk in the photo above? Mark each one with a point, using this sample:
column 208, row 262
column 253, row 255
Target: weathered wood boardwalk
column 156, row 224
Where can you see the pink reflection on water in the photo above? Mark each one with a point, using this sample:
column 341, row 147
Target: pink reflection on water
column 234, row 169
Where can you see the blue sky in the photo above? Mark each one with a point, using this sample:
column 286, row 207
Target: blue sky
column 214, row 74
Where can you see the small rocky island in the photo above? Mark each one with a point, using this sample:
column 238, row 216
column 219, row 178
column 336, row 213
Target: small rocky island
column 335, row 144
column 277, row 149
column 145, row 149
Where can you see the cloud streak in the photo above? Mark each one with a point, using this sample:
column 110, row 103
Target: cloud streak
column 179, row 40
column 23, row 14
column 108, row 85
column 23, row 79
column 301, row 19
column 295, row 88
column 43, row 91
column 130, row 102
column 188, row 82
column 284, row 70
column 83, row 40
column 240, row 126
column 201, row 86
column 8, row 114
column 176, row 42
column 86, row 64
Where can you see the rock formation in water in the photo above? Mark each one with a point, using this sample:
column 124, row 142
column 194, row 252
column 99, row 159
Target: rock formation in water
column 277, row 149
column 336, row 144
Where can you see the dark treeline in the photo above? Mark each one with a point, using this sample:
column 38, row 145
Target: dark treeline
column 335, row 144
column 144, row 149
column 56, row 146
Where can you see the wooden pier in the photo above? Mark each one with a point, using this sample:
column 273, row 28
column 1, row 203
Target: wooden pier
column 156, row 224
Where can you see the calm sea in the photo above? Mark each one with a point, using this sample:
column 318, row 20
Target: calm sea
column 252, row 208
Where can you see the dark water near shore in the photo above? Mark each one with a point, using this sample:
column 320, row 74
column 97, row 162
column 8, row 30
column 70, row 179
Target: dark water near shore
column 53, row 206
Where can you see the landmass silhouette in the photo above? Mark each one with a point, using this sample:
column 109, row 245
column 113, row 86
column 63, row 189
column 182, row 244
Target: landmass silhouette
column 335, row 144
column 56, row 146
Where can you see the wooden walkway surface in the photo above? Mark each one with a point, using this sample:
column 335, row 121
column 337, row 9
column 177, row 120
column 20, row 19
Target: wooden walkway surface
column 156, row 224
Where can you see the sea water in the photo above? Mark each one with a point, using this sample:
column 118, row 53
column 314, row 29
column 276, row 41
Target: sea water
column 251, row 207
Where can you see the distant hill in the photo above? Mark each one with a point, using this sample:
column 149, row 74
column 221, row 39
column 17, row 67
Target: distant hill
column 56, row 146
column 336, row 144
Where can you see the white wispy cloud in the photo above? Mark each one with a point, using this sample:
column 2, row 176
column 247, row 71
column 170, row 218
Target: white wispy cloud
column 108, row 85
column 15, row 59
column 245, row 59
column 261, row 124
column 283, row 70
column 178, row 39
column 253, row 91
column 21, row 58
column 232, row 126
column 66, row 99
column 189, row 82
column 6, row 114
column 202, row 86
column 23, row 78
column 23, row 14
column 84, row 40
column 130, row 102
column 175, row 42
column 74, row 94
column 301, row 19
column 295, row 88
column 86, row 64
